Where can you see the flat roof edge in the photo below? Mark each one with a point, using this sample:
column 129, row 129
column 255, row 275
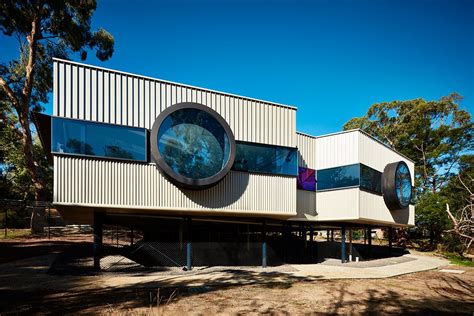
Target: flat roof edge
column 362, row 132
column 172, row 82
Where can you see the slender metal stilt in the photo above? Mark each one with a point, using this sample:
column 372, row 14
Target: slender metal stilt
column 264, row 245
column 343, row 244
column 189, row 249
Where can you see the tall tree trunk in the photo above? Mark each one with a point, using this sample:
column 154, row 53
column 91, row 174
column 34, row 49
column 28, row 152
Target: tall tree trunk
column 24, row 109
column 30, row 159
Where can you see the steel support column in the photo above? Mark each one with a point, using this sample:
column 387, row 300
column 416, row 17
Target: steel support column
column 390, row 238
column 369, row 241
column 189, row 249
column 350, row 244
column 343, row 244
column 264, row 244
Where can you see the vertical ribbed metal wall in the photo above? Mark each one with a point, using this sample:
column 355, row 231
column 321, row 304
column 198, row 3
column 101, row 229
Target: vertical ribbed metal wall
column 122, row 184
column 306, row 200
column 306, row 150
column 96, row 94
column 337, row 150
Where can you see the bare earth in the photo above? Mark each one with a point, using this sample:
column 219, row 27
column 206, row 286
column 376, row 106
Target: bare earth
column 26, row 287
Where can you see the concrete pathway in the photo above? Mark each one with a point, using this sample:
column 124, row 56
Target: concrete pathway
column 32, row 273
column 290, row 273
column 416, row 264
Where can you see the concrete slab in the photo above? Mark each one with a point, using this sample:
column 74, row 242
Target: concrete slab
column 417, row 264
column 302, row 272
column 451, row 271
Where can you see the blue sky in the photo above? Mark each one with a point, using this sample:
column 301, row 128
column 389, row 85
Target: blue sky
column 331, row 59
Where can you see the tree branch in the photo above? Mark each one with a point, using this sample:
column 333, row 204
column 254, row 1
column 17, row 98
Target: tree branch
column 464, row 185
column 9, row 91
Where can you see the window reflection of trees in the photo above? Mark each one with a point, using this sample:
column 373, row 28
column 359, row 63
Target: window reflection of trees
column 75, row 146
column 193, row 143
column 403, row 184
column 370, row 179
column 260, row 158
column 117, row 152
column 100, row 140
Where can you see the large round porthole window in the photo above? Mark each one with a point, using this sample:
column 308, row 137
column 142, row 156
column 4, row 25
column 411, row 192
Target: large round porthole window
column 193, row 145
column 396, row 185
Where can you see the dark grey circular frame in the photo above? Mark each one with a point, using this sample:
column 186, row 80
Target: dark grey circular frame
column 181, row 180
column 389, row 191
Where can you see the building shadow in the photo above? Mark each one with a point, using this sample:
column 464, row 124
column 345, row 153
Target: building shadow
column 228, row 191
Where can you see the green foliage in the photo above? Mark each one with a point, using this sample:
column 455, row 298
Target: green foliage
column 435, row 134
column 459, row 260
column 431, row 214
column 451, row 243
column 44, row 29
column 438, row 137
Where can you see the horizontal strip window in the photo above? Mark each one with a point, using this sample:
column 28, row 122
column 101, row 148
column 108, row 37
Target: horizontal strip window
column 356, row 175
column 370, row 179
column 306, row 179
column 251, row 157
column 77, row 137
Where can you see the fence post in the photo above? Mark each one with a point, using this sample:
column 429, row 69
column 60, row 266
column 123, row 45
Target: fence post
column 49, row 222
column 98, row 230
column 6, row 223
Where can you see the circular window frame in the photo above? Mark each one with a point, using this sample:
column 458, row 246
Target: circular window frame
column 389, row 190
column 180, row 180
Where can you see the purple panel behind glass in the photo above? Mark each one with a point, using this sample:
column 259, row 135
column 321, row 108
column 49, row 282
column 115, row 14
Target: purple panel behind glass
column 306, row 179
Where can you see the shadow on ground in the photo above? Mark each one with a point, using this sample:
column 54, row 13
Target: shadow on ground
column 26, row 287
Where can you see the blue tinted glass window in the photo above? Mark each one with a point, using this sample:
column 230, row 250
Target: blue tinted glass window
column 370, row 179
column 306, row 179
column 96, row 139
column 266, row 159
column 403, row 184
column 193, row 143
column 339, row 177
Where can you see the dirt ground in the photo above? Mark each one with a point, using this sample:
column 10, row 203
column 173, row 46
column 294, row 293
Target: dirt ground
column 26, row 287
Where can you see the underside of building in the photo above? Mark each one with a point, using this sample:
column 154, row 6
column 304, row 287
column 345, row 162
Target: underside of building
column 186, row 176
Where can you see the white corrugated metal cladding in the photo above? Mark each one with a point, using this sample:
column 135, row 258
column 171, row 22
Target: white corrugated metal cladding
column 306, row 200
column 96, row 94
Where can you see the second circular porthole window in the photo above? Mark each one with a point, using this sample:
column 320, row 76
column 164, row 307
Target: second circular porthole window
column 193, row 145
column 396, row 185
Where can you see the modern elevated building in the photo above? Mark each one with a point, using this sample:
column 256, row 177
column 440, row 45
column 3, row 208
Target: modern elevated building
column 129, row 150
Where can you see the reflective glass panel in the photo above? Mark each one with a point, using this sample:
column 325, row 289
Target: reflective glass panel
column 96, row 139
column 370, row 179
column 338, row 177
column 306, row 179
column 266, row 159
column 403, row 184
column 193, row 143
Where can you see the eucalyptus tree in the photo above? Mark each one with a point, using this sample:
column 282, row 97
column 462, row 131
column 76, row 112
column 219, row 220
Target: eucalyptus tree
column 437, row 136
column 44, row 29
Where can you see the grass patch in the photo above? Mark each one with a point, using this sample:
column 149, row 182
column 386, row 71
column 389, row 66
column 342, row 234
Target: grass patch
column 459, row 260
column 15, row 233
